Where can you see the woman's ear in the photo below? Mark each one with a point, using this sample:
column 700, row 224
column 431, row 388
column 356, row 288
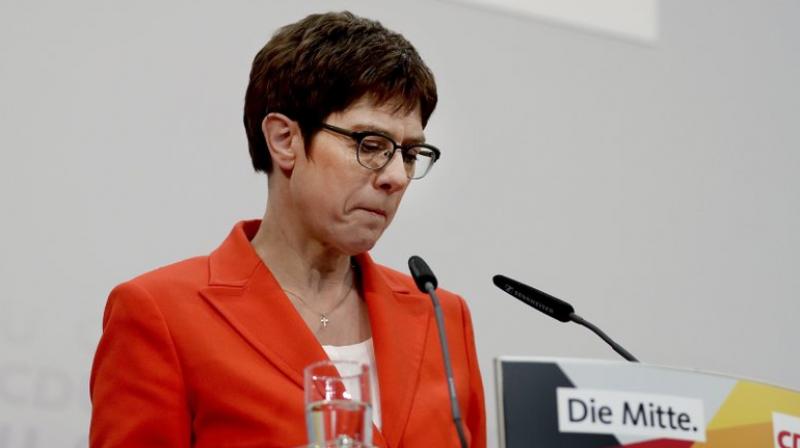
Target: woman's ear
column 283, row 138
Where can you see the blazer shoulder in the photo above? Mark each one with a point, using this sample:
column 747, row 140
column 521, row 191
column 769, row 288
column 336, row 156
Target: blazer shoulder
column 397, row 280
column 402, row 282
column 183, row 276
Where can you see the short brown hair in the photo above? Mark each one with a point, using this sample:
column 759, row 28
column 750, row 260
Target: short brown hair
column 323, row 64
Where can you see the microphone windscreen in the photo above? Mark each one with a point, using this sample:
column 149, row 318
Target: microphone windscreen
column 421, row 272
column 542, row 301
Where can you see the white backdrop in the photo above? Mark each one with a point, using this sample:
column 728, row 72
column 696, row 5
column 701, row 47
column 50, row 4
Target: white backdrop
column 654, row 186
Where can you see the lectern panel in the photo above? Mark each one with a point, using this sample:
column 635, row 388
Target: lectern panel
column 546, row 402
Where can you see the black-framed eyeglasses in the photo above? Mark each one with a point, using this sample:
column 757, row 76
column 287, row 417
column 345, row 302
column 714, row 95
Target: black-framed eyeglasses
column 375, row 150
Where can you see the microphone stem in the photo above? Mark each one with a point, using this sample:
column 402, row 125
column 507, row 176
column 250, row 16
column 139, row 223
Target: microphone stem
column 617, row 348
column 448, row 369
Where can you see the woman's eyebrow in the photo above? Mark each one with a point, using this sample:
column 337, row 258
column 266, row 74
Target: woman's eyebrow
column 378, row 130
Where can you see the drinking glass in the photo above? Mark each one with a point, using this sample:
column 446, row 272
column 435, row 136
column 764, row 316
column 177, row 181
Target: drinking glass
column 338, row 403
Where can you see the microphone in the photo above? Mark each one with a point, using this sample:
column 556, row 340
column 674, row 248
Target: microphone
column 426, row 282
column 555, row 308
column 421, row 273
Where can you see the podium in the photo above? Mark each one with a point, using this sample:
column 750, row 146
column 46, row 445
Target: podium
column 572, row 403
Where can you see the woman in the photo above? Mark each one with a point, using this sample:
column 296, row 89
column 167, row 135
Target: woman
column 209, row 352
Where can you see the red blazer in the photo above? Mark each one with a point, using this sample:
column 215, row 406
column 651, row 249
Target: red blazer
column 209, row 352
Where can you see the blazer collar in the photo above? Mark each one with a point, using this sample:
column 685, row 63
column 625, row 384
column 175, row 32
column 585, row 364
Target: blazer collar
column 235, row 260
column 242, row 289
column 245, row 293
column 399, row 320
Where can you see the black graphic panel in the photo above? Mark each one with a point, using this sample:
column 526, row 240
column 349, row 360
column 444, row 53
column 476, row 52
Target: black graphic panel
column 531, row 411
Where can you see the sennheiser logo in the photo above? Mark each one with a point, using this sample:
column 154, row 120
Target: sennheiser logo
column 786, row 430
column 539, row 306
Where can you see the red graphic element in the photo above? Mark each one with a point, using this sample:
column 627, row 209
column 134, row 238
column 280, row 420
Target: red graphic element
column 658, row 443
column 788, row 440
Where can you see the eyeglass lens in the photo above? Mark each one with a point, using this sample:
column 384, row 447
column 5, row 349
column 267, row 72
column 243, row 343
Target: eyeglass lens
column 375, row 152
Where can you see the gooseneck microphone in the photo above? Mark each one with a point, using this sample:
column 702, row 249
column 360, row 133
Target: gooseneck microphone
column 555, row 308
column 426, row 282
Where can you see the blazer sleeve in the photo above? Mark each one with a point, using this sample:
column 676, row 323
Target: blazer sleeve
column 475, row 418
column 137, row 390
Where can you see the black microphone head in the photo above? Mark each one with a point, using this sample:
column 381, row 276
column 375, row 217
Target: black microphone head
column 553, row 307
column 421, row 272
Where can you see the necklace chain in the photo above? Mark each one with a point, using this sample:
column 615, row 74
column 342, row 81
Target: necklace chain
column 323, row 317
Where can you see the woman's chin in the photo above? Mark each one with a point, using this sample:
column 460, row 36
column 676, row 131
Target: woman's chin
column 359, row 245
column 359, row 248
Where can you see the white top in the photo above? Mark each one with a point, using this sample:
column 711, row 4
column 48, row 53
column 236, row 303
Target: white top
column 363, row 352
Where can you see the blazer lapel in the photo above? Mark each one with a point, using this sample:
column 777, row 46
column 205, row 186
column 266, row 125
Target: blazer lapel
column 400, row 321
column 243, row 291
